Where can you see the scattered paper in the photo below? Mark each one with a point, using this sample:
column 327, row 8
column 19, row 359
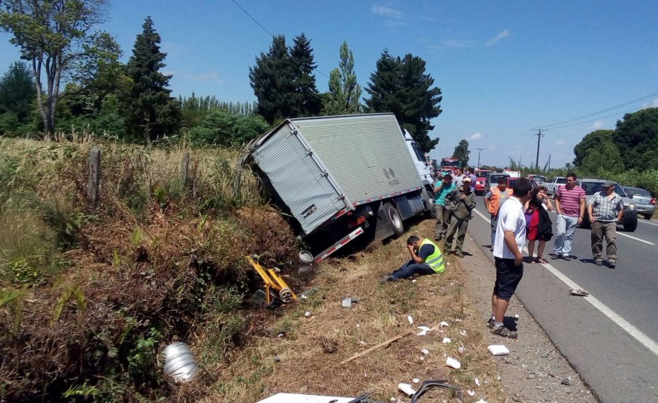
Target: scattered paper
column 406, row 388
column 415, row 380
column 451, row 362
column 460, row 349
column 444, row 324
column 458, row 320
column 517, row 316
column 477, row 381
column 410, row 319
column 413, row 281
column 498, row 349
column 481, row 401
column 307, row 314
column 463, row 332
column 471, row 392
column 425, row 351
column 446, row 340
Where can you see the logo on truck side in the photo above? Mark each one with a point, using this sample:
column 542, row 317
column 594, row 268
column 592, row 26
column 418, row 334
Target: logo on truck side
column 390, row 175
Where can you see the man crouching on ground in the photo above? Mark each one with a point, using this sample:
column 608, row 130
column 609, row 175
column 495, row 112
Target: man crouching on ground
column 508, row 244
column 426, row 258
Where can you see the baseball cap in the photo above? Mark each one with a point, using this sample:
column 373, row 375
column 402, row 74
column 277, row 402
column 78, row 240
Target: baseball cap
column 608, row 184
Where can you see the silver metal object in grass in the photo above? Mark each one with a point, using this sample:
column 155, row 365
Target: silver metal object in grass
column 179, row 362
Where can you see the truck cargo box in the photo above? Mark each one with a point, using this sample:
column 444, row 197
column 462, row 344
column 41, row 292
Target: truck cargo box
column 323, row 166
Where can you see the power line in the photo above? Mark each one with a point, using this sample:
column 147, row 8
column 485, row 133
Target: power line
column 600, row 117
column 642, row 98
column 264, row 29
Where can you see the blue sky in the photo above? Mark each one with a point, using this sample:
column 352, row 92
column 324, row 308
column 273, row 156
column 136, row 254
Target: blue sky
column 504, row 67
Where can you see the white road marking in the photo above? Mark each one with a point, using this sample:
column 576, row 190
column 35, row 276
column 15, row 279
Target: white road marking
column 634, row 332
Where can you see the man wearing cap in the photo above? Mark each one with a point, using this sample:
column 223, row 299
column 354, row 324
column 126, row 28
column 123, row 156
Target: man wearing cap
column 461, row 202
column 605, row 210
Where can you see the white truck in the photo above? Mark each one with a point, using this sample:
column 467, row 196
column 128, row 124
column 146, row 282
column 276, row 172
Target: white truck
column 553, row 184
column 334, row 177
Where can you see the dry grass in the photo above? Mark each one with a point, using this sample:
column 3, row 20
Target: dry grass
column 312, row 348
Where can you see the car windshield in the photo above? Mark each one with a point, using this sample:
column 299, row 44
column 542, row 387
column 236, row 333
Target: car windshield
column 561, row 180
column 593, row 187
column 494, row 178
column 482, row 174
column 539, row 178
column 639, row 192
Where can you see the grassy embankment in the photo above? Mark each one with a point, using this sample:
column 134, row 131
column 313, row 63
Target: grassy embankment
column 88, row 295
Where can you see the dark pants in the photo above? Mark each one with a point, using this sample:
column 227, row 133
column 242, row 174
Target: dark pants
column 410, row 268
column 456, row 231
column 609, row 231
column 442, row 221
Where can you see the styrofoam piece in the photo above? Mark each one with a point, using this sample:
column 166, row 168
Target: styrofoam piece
column 423, row 330
column 443, row 324
column 425, row 351
column 462, row 332
column 406, row 388
column 461, row 349
column 307, row 314
column 410, row 319
column 471, row 392
column 415, row 380
column 477, row 381
column 498, row 349
column 451, row 362
column 298, row 398
column 481, row 401
column 517, row 316
column 446, row 340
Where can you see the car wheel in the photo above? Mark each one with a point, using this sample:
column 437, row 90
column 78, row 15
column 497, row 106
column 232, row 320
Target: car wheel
column 631, row 226
column 393, row 217
column 648, row 216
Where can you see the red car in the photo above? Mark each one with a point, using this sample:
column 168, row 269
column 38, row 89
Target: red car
column 480, row 179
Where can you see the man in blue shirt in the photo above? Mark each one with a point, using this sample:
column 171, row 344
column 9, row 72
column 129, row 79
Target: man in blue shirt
column 442, row 214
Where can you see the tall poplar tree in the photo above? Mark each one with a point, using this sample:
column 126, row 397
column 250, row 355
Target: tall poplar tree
column 344, row 92
column 152, row 111
column 273, row 82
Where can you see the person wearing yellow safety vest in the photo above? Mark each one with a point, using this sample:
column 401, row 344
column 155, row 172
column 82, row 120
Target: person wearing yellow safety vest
column 426, row 258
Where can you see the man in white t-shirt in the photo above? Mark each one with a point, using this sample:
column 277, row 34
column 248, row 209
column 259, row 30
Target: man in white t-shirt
column 508, row 246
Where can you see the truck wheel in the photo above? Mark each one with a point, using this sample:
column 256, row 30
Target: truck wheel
column 648, row 216
column 393, row 217
column 631, row 226
column 431, row 212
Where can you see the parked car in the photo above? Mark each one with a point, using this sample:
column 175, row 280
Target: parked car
column 553, row 184
column 629, row 219
column 480, row 179
column 511, row 181
column 492, row 181
column 537, row 178
column 644, row 202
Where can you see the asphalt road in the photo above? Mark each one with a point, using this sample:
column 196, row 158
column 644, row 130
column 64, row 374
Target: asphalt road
column 610, row 336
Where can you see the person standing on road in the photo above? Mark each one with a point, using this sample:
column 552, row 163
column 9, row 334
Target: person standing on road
column 539, row 226
column 442, row 213
column 457, row 178
column 605, row 210
column 570, row 207
column 461, row 202
column 471, row 173
column 426, row 258
column 493, row 200
column 510, row 237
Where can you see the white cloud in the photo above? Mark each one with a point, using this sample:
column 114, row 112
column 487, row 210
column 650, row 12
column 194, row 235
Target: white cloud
column 212, row 76
column 475, row 136
column 560, row 143
column 492, row 147
column 386, row 12
column 501, row 35
column 598, row 124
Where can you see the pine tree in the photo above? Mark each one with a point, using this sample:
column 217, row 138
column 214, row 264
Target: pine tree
column 272, row 81
column 17, row 91
column 344, row 91
column 153, row 113
column 306, row 99
column 402, row 87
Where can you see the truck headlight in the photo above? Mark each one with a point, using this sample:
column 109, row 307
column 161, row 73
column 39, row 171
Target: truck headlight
column 631, row 206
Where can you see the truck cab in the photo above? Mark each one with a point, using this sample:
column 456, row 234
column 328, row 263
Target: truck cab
column 423, row 168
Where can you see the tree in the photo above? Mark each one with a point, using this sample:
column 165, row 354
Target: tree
column 50, row 35
column 152, row 112
column 221, row 127
column 636, row 136
column 344, row 92
column 272, row 81
column 306, row 99
column 461, row 152
column 590, row 141
column 17, row 91
column 402, row 87
column 603, row 156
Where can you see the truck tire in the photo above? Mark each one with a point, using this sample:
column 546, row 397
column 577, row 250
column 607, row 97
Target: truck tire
column 631, row 226
column 431, row 211
column 393, row 217
column 648, row 216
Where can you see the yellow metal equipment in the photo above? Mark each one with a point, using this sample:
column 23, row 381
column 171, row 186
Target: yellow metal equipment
column 273, row 281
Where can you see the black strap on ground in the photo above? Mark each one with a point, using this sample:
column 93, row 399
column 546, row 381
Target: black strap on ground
column 436, row 384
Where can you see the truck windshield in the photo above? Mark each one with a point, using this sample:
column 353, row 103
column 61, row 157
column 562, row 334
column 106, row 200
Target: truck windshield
column 417, row 151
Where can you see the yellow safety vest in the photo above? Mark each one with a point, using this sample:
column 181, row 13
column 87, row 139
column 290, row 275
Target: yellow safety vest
column 435, row 260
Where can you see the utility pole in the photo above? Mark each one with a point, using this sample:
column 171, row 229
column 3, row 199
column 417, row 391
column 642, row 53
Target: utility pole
column 538, row 142
column 549, row 162
column 479, row 150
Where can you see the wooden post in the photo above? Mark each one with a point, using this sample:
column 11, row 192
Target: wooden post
column 93, row 184
column 186, row 170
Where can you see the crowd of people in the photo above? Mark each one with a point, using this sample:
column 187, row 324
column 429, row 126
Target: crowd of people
column 517, row 215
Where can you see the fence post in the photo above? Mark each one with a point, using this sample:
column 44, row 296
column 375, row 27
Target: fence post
column 186, row 170
column 93, row 183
